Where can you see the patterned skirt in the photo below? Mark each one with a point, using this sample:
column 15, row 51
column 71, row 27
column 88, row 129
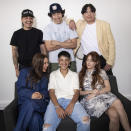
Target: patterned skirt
column 96, row 106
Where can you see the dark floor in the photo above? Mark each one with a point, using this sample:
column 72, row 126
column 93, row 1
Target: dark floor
column 2, row 126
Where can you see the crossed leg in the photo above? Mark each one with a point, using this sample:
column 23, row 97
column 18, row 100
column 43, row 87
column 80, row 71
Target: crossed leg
column 117, row 113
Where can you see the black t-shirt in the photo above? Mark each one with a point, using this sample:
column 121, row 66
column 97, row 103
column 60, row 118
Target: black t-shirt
column 28, row 43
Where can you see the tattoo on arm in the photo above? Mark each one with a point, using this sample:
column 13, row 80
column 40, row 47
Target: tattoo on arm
column 43, row 49
column 15, row 56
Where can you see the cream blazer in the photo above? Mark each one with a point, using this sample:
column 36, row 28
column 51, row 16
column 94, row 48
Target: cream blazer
column 106, row 43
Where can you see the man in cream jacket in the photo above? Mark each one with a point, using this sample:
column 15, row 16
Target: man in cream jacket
column 95, row 35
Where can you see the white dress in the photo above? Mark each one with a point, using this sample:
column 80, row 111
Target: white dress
column 97, row 105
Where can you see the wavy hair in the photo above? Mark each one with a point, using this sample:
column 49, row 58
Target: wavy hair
column 36, row 73
column 96, row 73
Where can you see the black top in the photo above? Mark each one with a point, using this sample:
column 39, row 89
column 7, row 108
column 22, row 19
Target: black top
column 28, row 43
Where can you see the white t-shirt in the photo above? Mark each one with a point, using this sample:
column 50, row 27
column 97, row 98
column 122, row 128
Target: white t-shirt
column 89, row 39
column 60, row 32
column 64, row 86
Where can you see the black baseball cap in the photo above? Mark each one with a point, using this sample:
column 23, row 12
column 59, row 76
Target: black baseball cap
column 55, row 8
column 27, row 12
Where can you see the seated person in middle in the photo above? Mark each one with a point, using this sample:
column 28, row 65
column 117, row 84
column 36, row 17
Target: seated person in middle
column 33, row 97
column 64, row 93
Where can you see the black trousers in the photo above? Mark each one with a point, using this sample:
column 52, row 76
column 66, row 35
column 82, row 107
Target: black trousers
column 21, row 66
column 102, row 64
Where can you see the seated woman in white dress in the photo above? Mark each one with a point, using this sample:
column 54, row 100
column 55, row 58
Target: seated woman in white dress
column 95, row 88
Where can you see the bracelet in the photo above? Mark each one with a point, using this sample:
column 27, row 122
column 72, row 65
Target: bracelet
column 57, row 107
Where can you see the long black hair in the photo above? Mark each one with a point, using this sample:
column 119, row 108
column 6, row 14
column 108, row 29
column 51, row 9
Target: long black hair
column 36, row 73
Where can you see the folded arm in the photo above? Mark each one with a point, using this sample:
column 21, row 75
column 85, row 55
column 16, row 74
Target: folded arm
column 55, row 45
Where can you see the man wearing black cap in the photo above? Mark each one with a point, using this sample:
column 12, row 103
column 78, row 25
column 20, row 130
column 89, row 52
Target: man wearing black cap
column 26, row 42
column 58, row 37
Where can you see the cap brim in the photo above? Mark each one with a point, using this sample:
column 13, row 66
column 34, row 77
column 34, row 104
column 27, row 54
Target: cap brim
column 56, row 11
column 28, row 15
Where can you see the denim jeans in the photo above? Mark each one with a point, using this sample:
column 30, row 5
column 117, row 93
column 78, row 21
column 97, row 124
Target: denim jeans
column 77, row 115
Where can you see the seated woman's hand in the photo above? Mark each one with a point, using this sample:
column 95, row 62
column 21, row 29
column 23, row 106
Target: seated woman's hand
column 37, row 95
column 90, row 96
column 96, row 92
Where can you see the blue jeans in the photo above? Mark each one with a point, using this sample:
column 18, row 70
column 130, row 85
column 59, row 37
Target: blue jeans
column 77, row 115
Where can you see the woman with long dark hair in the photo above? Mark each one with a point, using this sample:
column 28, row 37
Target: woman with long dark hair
column 32, row 94
column 95, row 88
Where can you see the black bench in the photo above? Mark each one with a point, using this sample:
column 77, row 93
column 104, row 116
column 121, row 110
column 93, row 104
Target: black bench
column 101, row 124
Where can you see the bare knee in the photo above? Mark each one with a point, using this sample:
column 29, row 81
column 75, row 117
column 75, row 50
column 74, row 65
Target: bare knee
column 46, row 126
column 113, row 115
column 85, row 119
column 117, row 103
